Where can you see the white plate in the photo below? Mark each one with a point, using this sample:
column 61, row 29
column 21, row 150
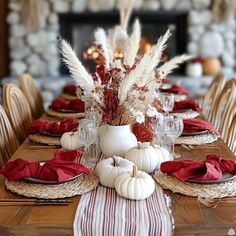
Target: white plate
column 194, row 133
column 40, row 181
column 225, row 178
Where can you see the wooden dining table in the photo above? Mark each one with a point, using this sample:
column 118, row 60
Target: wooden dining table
column 190, row 216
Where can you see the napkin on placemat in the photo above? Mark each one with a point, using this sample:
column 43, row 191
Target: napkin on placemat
column 210, row 169
column 70, row 88
column 186, row 104
column 196, row 125
column 43, row 126
column 74, row 105
column 61, row 168
column 176, row 89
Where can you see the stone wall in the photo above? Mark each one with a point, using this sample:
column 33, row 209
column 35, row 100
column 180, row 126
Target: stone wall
column 36, row 51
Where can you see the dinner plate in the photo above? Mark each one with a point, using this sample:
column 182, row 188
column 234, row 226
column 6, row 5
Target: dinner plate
column 40, row 181
column 225, row 178
column 166, row 86
column 50, row 134
column 181, row 111
column 67, row 111
column 194, row 133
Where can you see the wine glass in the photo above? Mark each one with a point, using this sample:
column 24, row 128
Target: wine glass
column 87, row 132
column 174, row 127
column 167, row 101
column 159, row 128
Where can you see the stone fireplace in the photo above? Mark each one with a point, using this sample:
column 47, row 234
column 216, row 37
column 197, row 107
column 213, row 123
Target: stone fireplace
column 36, row 51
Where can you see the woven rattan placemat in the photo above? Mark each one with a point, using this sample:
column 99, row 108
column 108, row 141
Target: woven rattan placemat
column 62, row 115
column 81, row 185
column 199, row 139
column 68, row 97
column 226, row 189
column 43, row 139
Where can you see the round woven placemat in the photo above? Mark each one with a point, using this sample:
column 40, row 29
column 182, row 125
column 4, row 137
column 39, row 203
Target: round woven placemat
column 81, row 185
column 199, row 139
column 227, row 189
column 61, row 115
column 189, row 114
column 38, row 138
column 68, row 97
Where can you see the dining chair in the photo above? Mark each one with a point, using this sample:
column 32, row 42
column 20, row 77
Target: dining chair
column 231, row 136
column 18, row 110
column 32, row 94
column 8, row 141
column 227, row 117
column 210, row 98
column 223, row 103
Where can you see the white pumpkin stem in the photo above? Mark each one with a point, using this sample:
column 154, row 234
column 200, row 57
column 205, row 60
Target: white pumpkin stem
column 135, row 171
column 115, row 162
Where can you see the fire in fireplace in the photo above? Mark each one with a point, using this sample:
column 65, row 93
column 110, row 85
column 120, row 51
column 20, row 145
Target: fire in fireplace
column 78, row 30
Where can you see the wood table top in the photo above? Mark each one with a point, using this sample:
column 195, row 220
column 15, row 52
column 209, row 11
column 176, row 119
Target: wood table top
column 190, row 216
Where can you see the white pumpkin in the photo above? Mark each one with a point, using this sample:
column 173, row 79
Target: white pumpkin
column 144, row 156
column 109, row 168
column 162, row 154
column 70, row 141
column 136, row 185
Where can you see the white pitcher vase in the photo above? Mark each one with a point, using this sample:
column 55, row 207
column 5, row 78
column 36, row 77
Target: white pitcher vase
column 117, row 140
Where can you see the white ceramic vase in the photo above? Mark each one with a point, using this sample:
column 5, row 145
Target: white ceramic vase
column 117, row 140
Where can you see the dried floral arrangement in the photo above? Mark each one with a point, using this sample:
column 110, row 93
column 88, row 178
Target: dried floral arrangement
column 123, row 90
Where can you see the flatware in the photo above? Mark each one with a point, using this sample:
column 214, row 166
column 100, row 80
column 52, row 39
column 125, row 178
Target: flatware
column 35, row 147
column 33, row 202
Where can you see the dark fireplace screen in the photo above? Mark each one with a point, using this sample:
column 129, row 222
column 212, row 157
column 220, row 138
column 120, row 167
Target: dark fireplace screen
column 78, row 30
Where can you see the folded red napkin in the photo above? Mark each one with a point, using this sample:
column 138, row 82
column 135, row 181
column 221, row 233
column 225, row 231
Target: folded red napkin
column 44, row 126
column 61, row 168
column 196, row 125
column 186, row 104
column 176, row 89
column 74, row 105
column 70, row 88
column 210, row 169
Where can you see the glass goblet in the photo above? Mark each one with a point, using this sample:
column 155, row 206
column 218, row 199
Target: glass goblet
column 174, row 127
column 167, row 101
column 87, row 133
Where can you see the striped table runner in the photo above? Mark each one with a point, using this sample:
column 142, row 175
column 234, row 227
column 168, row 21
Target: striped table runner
column 103, row 213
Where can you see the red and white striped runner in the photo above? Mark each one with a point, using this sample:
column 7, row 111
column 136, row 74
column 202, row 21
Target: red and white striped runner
column 103, row 213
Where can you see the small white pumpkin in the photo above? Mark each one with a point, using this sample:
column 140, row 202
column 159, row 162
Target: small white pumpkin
column 109, row 168
column 162, row 154
column 70, row 141
column 136, row 185
column 143, row 156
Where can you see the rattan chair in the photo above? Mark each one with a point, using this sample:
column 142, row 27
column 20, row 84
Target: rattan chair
column 227, row 117
column 32, row 94
column 231, row 136
column 8, row 141
column 18, row 110
column 211, row 96
column 223, row 103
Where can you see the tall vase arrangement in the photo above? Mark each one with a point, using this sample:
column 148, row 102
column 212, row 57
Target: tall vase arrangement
column 123, row 88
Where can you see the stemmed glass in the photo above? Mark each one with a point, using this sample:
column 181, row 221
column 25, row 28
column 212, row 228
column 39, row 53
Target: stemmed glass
column 87, row 132
column 174, row 127
column 167, row 101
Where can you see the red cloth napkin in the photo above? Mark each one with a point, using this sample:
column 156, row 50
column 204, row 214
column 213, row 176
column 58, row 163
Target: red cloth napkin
column 61, row 168
column 74, row 105
column 176, row 89
column 70, row 88
column 43, row 126
column 195, row 125
column 186, row 104
column 210, row 169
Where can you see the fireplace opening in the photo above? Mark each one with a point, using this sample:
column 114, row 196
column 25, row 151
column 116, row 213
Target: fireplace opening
column 78, row 30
